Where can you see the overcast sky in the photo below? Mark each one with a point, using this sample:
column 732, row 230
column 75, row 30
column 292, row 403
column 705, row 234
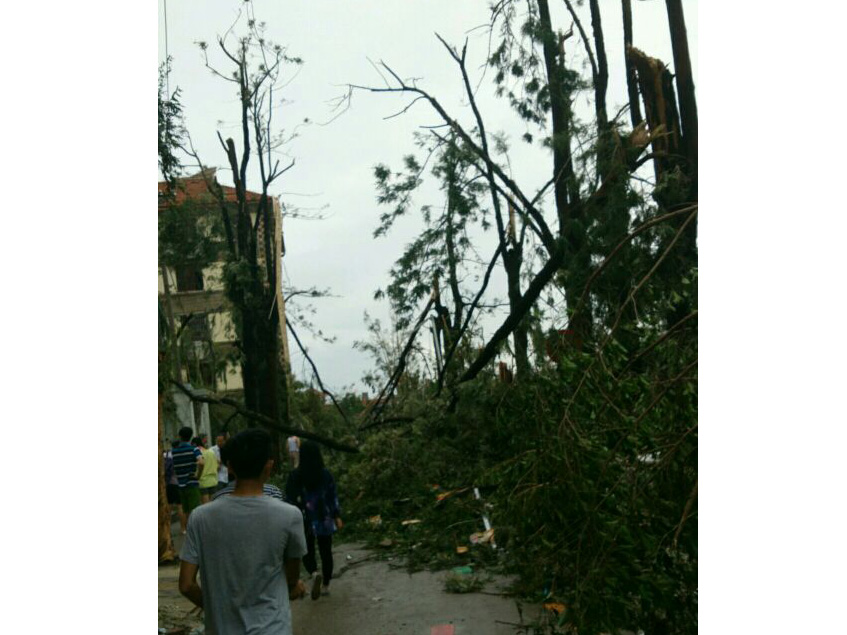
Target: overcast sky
column 334, row 162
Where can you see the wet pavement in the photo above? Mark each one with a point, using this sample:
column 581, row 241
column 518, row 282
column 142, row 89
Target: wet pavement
column 371, row 597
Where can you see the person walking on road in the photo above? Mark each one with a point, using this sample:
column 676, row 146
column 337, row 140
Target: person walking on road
column 294, row 451
column 223, row 475
column 172, row 487
column 312, row 488
column 247, row 549
column 188, row 463
column 209, row 476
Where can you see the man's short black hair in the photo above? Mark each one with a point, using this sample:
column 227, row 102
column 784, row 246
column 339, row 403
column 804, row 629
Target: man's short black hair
column 185, row 433
column 248, row 452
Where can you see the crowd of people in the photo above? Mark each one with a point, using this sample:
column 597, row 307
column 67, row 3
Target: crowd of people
column 244, row 537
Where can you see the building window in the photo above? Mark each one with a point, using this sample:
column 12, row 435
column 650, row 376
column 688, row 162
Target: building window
column 189, row 278
column 198, row 328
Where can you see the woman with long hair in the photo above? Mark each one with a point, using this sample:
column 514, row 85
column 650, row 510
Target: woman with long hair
column 312, row 488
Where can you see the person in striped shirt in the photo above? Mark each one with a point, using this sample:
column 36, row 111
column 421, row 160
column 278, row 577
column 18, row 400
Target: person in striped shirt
column 188, row 463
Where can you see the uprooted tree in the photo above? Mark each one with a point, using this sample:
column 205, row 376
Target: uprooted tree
column 592, row 450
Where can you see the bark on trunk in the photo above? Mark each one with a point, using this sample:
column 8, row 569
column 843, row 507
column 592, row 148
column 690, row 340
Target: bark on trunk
column 631, row 79
column 685, row 89
column 559, row 111
column 166, row 545
column 169, row 312
column 565, row 186
column 601, row 81
column 249, row 361
column 264, row 385
column 520, row 337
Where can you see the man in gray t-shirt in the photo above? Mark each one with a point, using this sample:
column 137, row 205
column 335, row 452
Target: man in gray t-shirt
column 247, row 548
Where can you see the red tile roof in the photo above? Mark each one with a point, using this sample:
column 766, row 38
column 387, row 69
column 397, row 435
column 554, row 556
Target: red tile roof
column 194, row 187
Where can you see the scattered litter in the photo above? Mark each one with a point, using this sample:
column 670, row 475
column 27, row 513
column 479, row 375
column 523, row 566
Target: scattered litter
column 556, row 607
column 482, row 537
column 376, row 599
column 442, row 629
column 414, row 521
column 465, row 570
column 387, row 542
column 485, row 520
column 375, row 520
column 461, row 549
column 349, row 557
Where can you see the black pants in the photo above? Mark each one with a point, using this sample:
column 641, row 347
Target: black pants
column 325, row 548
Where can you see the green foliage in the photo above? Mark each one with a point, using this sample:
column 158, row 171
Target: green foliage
column 190, row 233
column 588, row 467
column 171, row 127
column 440, row 249
column 589, row 461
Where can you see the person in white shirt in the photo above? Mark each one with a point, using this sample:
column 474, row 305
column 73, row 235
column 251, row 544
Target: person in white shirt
column 294, row 451
column 223, row 474
column 246, row 548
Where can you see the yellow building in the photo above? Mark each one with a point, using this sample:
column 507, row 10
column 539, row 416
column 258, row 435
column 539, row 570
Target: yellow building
column 195, row 297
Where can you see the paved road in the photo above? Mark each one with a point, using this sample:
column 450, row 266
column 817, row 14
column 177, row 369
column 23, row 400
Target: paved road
column 374, row 599
column 371, row 598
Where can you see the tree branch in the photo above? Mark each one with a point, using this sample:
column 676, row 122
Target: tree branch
column 315, row 370
column 584, row 37
column 546, row 235
column 264, row 420
column 453, row 345
column 388, row 389
column 527, row 299
column 685, row 512
column 641, row 228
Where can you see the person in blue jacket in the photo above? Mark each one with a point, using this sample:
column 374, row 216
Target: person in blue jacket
column 311, row 487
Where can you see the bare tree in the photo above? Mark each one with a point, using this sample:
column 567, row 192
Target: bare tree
column 251, row 272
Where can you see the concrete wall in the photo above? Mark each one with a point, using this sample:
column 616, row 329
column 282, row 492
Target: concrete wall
column 232, row 378
column 223, row 330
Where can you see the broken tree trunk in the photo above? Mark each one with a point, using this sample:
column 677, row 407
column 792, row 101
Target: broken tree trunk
column 676, row 173
column 660, row 109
